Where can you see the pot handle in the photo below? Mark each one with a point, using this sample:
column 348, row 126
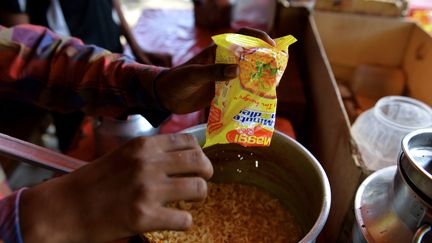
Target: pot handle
column 421, row 233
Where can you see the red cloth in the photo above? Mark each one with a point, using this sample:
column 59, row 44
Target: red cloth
column 173, row 31
column 180, row 122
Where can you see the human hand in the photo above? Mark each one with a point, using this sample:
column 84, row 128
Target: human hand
column 208, row 55
column 190, row 87
column 120, row 194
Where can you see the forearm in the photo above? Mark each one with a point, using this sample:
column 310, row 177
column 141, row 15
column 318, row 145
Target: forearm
column 39, row 67
column 48, row 213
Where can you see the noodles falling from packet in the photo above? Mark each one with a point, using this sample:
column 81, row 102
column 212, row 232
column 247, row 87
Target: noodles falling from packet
column 243, row 110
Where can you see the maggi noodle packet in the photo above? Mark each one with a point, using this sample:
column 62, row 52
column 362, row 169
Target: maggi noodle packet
column 243, row 110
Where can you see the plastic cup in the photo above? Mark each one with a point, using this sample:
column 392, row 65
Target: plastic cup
column 378, row 132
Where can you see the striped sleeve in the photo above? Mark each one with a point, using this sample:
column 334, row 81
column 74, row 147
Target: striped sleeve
column 9, row 218
column 63, row 74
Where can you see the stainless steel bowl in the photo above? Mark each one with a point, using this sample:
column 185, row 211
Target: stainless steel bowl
column 285, row 169
column 394, row 204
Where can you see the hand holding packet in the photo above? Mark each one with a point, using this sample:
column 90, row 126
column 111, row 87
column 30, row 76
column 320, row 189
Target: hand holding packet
column 243, row 110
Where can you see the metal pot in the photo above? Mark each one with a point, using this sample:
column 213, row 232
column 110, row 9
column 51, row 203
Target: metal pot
column 395, row 204
column 285, row 169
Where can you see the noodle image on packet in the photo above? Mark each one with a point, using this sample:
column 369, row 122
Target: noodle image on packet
column 243, row 110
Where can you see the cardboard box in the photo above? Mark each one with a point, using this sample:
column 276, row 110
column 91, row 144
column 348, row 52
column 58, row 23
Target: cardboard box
column 351, row 40
column 324, row 129
column 373, row 7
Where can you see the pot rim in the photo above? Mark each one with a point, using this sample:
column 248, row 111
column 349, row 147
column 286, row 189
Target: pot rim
column 416, row 173
column 359, row 218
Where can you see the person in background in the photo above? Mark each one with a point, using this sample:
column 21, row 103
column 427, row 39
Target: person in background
column 124, row 192
column 98, row 22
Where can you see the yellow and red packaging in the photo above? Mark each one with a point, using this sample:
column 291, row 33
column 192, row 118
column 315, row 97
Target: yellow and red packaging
column 243, row 110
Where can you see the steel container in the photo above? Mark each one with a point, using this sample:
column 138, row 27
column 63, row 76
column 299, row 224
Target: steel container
column 394, row 204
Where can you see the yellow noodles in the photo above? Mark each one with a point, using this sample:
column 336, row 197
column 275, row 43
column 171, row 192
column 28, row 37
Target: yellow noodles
column 234, row 213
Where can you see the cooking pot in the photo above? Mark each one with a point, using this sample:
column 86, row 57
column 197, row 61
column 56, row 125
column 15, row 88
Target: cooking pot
column 285, row 169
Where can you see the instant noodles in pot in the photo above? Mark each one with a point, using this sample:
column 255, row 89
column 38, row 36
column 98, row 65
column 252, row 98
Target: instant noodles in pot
column 285, row 170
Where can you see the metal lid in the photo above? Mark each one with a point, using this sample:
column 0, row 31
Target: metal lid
column 416, row 159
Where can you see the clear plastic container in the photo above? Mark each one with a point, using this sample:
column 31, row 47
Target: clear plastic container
column 378, row 132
